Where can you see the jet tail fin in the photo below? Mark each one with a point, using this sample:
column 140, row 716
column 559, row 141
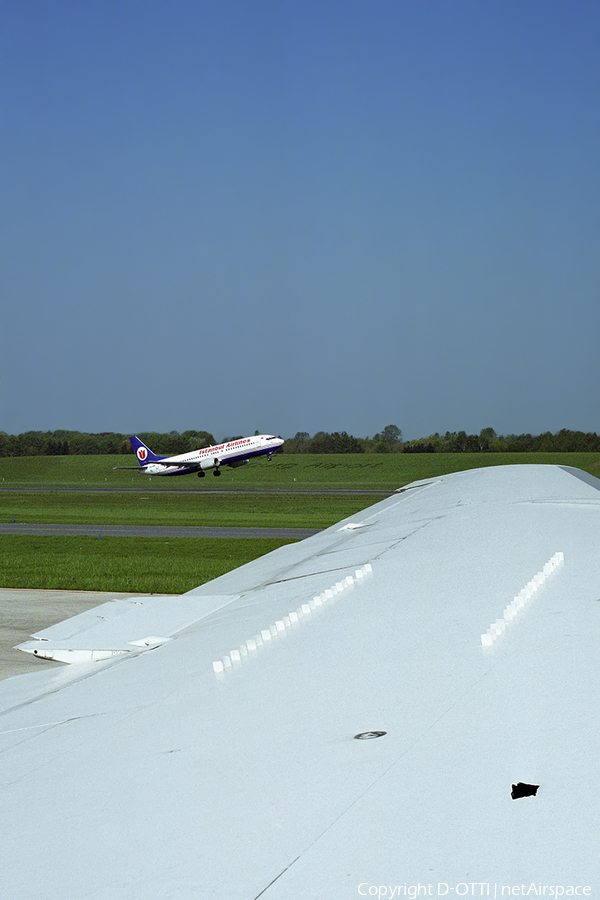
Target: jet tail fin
column 143, row 453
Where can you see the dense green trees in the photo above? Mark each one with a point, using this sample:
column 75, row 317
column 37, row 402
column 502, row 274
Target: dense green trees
column 338, row 442
column 61, row 443
column 389, row 440
column 487, row 441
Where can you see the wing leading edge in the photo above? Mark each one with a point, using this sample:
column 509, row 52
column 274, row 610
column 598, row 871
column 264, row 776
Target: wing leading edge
column 224, row 762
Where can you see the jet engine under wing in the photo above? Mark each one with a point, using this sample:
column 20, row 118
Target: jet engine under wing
column 348, row 716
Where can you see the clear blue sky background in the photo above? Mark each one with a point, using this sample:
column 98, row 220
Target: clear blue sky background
column 300, row 216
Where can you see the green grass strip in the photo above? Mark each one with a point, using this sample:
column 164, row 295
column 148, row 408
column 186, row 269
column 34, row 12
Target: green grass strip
column 282, row 510
column 287, row 471
column 145, row 565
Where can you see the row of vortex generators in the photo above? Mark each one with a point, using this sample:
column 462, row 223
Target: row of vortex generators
column 292, row 620
column 523, row 597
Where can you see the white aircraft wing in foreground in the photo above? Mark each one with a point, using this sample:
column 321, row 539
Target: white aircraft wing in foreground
column 349, row 716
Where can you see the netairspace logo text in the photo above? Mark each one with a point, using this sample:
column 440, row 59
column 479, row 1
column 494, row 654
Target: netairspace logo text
column 472, row 889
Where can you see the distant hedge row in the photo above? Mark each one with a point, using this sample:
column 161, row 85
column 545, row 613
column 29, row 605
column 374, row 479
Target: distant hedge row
column 60, row 443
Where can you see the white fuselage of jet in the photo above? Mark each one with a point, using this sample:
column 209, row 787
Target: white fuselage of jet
column 232, row 453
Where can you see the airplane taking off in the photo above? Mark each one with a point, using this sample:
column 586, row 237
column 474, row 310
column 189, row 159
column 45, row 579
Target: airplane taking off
column 232, row 453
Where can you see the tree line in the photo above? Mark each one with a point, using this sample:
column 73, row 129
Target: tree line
column 63, row 443
column 389, row 440
column 487, row 441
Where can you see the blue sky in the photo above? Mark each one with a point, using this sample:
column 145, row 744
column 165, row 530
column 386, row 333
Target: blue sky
column 300, row 216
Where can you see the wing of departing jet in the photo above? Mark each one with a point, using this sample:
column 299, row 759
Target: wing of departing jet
column 137, row 468
column 403, row 705
column 166, row 465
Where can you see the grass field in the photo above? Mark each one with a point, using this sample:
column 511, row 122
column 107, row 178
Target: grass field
column 281, row 510
column 378, row 471
column 39, row 490
column 139, row 565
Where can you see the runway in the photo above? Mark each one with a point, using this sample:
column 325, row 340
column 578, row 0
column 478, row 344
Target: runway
column 94, row 489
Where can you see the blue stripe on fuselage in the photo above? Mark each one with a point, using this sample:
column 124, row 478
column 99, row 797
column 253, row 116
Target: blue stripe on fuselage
column 260, row 451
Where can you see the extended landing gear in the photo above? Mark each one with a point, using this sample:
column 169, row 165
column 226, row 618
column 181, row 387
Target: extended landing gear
column 200, row 474
column 216, row 471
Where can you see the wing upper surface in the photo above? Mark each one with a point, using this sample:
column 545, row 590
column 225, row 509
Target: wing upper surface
column 159, row 773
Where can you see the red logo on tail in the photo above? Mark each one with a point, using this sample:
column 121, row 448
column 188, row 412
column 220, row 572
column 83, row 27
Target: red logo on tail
column 142, row 453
